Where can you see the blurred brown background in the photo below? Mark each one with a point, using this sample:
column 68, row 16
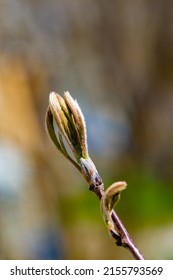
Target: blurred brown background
column 116, row 58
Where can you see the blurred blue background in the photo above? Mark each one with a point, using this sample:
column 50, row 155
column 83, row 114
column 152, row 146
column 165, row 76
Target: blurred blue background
column 116, row 58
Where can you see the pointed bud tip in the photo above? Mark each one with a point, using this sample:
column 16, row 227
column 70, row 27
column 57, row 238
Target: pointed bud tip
column 52, row 96
column 66, row 93
column 52, row 93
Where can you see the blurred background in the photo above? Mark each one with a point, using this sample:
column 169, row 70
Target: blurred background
column 116, row 58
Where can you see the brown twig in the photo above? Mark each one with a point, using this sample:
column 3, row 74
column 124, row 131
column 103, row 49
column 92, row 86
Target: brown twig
column 126, row 240
column 123, row 238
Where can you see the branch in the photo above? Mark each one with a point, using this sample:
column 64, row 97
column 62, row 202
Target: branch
column 68, row 117
column 122, row 238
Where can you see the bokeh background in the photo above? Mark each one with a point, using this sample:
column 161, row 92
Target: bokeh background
column 116, row 58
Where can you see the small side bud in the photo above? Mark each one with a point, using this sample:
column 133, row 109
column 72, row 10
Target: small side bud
column 108, row 201
column 112, row 194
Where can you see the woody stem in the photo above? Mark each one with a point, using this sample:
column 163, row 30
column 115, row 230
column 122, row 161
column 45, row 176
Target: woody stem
column 123, row 238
